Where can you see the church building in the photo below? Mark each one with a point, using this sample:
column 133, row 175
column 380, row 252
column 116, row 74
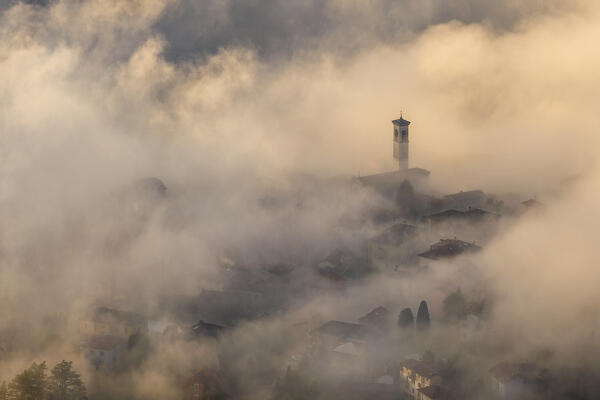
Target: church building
column 388, row 182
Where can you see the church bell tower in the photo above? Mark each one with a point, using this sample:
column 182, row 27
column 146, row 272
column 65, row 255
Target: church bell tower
column 401, row 142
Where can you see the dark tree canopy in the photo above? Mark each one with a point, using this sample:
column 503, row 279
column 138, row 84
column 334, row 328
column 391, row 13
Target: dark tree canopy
column 456, row 305
column 31, row 384
column 3, row 391
column 423, row 316
column 406, row 318
column 65, row 383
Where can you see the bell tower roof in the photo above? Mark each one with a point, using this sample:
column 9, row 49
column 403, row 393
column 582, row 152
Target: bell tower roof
column 401, row 122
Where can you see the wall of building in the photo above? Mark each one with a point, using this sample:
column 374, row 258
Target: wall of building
column 101, row 358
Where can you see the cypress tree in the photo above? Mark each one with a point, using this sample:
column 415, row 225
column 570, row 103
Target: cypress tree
column 406, row 318
column 423, row 316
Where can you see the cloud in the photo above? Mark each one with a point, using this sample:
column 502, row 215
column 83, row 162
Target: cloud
column 232, row 102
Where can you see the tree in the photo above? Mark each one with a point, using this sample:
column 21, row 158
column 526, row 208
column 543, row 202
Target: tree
column 65, row 383
column 31, row 384
column 456, row 305
column 423, row 316
column 3, row 391
column 406, row 319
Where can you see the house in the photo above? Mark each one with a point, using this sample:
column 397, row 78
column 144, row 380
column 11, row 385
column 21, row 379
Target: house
column 108, row 321
column 205, row 384
column 225, row 307
column 453, row 216
column 465, row 200
column 376, row 319
column 449, row 248
column 393, row 249
column 343, row 264
column 333, row 333
column 103, row 351
column 434, row 392
column 342, row 330
column 349, row 350
column 348, row 358
column 511, row 380
column 416, row 374
column 473, row 223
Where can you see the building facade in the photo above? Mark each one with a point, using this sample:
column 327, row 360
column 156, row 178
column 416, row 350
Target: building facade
column 105, row 321
column 103, row 351
column 416, row 375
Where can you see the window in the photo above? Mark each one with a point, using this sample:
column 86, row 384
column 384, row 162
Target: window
column 395, row 133
column 405, row 135
column 196, row 387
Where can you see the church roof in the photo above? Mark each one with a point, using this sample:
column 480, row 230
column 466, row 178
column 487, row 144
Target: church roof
column 401, row 121
column 392, row 178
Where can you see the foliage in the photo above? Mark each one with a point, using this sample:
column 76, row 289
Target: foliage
column 406, row 318
column 34, row 384
column 456, row 305
column 423, row 316
column 65, row 383
column 3, row 391
column 31, row 384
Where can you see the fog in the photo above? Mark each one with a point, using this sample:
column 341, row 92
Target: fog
column 254, row 115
